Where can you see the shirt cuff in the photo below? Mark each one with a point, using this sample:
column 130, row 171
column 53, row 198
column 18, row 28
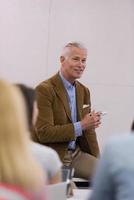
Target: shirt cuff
column 77, row 129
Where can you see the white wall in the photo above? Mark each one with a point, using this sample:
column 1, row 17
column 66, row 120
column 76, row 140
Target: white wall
column 33, row 32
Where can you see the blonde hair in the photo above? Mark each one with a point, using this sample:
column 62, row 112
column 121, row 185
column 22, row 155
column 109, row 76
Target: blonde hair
column 70, row 45
column 17, row 165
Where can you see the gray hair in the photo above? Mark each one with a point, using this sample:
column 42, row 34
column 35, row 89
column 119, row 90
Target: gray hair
column 67, row 47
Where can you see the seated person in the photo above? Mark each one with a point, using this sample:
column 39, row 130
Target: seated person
column 132, row 126
column 46, row 156
column 114, row 179
column 65, row 121
column 18, row 167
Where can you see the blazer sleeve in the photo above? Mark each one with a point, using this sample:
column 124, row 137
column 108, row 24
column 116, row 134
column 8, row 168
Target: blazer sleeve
column 47, row 130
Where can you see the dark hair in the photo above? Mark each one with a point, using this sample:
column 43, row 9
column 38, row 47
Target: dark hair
column 29, row 97
column 132, row 127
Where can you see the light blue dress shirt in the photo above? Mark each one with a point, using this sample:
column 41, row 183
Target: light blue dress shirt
column 71, row 91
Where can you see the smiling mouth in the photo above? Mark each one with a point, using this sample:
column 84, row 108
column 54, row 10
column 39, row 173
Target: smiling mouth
column 79, row 71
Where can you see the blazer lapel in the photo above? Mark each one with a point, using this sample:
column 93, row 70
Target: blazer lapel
column 79, row 100
column 62, row 93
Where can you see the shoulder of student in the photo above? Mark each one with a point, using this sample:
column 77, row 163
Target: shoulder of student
column 47, row 151
column 116, row 144
column 47, row 157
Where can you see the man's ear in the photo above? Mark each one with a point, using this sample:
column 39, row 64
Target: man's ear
column 62, row 58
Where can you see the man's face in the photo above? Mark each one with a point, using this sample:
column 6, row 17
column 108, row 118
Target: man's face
column 73, row 64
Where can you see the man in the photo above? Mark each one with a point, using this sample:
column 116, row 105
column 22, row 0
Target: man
column 65, row 120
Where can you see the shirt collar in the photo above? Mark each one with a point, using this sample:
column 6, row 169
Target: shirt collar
column 66, row 83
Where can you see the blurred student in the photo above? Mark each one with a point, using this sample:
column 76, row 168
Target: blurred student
column 114, row 179
column 18, row 168
column 47, row 157
column 132, row 126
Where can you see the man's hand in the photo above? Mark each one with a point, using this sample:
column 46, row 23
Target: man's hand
column 91, row 120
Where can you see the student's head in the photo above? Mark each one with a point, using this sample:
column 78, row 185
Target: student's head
column 31, row 103
column 132, row 126
column 17, row 165
column 73, row 61
column 13, row 123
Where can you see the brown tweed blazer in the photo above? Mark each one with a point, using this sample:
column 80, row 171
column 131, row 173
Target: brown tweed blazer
column 54, row 125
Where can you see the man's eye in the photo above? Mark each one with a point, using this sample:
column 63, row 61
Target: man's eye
column 75, row 58
column 83, row 61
